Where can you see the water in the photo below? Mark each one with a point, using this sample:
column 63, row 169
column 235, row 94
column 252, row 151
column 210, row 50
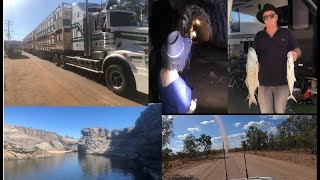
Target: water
column 71, row 166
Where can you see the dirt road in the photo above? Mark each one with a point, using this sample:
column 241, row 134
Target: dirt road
column 29, row 80
column 256, row 165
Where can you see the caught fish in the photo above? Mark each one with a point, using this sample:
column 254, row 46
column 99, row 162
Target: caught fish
column 252, row 81
column 290, row 75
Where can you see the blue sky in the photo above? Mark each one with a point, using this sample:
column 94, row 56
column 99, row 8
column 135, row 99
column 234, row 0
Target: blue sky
column 27, row 14
column 70, row 120
column 234, row 125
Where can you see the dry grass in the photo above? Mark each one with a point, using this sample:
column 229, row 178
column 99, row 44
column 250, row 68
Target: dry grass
column 293, row 156
column 58, row 151
column 183, row 163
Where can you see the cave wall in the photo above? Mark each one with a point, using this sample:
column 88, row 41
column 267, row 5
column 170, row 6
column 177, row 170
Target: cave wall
column 169, row 15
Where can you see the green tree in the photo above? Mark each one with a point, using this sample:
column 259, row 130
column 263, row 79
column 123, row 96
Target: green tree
column 299, row 131
column 256, row 139
column 272, row 142
column 166, row 156
column 190, row 145
column 138, row 7
column 205, row 142
column 167, row 132
column 181, row 155
column 244, row 145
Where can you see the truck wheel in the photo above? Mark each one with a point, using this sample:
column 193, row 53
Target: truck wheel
column 62, row 62
column 56, row 60
column 118, row 81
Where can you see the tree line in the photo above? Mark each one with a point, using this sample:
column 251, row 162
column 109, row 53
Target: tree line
column 296, row 132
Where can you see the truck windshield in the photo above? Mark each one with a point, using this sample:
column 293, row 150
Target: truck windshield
column 122, row 19
column 93, row 9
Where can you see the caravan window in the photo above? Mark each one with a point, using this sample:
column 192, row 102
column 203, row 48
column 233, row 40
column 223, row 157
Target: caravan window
column 283, row 17
column 235, row 20
column 300, row 15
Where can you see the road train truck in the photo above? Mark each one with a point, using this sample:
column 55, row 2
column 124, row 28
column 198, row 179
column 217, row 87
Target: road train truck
column 104, row 40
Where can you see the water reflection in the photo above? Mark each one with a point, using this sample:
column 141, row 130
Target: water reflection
column 112, row 167
column 19, row 168
column 74, row 166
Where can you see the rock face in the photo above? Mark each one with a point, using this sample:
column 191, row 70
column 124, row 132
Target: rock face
column 23, row 143
column 94, row 141
column 148, row 129
column 70, row 144
column 25, row 151
column 143, row 142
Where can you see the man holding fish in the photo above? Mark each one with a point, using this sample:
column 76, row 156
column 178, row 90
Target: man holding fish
column 274, row 46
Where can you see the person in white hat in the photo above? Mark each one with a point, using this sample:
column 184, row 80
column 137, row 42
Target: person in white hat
column 175, row 95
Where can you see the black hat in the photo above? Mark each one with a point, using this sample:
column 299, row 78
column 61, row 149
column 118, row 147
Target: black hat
column 265, row 8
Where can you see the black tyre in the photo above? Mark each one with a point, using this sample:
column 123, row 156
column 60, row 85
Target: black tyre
column 56, row 60
column 62, row 62
column 119, row 80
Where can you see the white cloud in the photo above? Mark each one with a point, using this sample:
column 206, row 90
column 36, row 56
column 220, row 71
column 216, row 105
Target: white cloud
column 277, row 117
column 258, row 124
column 273, row 130
column 215, row 138
column 193, row 129
column 207, row 122
column 231, row 136
column 265, row 116
column 237, row 124
column 274, row 117
column 182, row 136
column 176, row 142
column 237, row 136
column 234, row 140
column 234, row 144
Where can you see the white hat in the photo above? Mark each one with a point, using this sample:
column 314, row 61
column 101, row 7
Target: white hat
column 176, row 49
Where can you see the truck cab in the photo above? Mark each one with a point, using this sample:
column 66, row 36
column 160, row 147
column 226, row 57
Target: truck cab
column 117, row 46
column 13, row 48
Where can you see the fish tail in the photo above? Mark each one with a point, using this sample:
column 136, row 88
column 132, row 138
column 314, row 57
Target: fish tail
column 292, row 97
column 252, row 100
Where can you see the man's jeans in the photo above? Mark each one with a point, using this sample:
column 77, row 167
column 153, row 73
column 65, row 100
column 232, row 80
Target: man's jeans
column 273, row 98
